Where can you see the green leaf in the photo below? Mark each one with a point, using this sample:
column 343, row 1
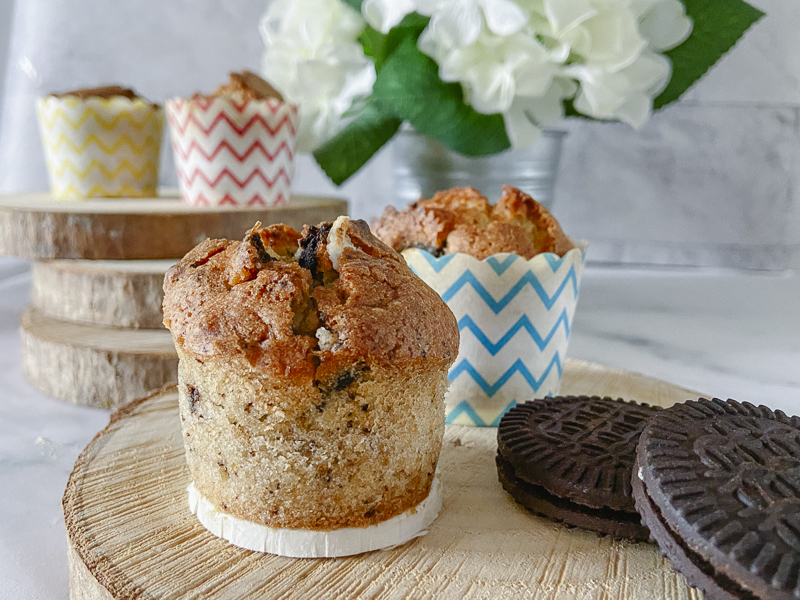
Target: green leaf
column 718, row 25
column 380, row 46
column 409, row 85
column 345, row 153
column 354, row 4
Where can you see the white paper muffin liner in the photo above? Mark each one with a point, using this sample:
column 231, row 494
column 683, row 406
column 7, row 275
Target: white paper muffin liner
column 514, row 317
column 233, row 152
column 305, row 543
column 106, row 147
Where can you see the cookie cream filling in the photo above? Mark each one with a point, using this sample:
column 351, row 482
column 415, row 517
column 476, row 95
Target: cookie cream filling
column 305, row 543
column 338, row 240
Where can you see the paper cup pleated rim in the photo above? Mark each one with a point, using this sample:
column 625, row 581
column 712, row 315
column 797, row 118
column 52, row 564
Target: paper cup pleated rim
column 105, row 147
column 233, row 153
column 304, row 543
column 514, row 317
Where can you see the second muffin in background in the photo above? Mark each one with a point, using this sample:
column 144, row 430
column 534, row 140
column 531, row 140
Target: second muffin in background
column 234, row 147
column 511, row 276
column 312, row 375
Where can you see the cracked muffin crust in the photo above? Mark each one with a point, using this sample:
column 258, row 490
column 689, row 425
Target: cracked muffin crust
column 312, row 375
column 462, row 220
column 247, row 86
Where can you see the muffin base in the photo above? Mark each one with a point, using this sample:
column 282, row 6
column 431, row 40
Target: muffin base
column 305, row 543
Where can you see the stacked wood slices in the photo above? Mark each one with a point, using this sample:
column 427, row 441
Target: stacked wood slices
column 93, row 334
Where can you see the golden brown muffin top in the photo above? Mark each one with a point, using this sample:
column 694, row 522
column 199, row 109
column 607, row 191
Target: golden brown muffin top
column 306, row 305
column 462, row 220
column 107, row 91
column 247, row 86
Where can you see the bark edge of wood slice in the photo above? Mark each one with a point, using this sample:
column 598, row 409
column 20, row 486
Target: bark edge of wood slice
column 37, row 226
column 131, row 535
column 95, row 366
column 112, row 293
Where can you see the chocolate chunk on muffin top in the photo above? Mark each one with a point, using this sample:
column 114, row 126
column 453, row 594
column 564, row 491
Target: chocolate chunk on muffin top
column 305, row 304
column 463, row 220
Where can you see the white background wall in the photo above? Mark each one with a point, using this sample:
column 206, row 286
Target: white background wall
column 6, row 8
column 713, row 180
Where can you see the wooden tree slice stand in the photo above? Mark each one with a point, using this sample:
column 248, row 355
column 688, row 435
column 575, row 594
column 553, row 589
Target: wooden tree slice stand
column 113, row 293
column 103, row 367
column 99, row 266
column 37, row 226
column 130, row 533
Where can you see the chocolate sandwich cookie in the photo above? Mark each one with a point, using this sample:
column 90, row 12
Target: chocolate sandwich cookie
column 570, row 458
column 718, row 484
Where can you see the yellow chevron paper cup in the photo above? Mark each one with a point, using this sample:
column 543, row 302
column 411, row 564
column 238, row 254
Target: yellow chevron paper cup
column 107, row 147
column 514, row 316
column 231, row 152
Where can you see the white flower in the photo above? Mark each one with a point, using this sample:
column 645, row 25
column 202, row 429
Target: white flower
column 494, row 69
column 385, row 14
column 528, row 114
column 459, row 22
column 663, row 23
column 609, row 39
column 564, row 15
column 453, row 22
column 314, row 59
column 518, row 58
column 626, row 94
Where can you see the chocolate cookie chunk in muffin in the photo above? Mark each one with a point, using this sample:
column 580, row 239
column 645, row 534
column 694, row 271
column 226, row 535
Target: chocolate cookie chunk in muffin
column 462, row 220
column 313, row 368
column 570, row 458
column 718, row 485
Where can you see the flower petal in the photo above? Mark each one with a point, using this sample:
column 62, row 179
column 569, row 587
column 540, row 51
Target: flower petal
column 385, row 14
column 491, row 89
column 521, row 131
column 614, row 39
column 635, row 111
column 564, row 14
column 503, row 17
column 664, row 24
column 314, row 58
column 457, row 24
column 650, row 73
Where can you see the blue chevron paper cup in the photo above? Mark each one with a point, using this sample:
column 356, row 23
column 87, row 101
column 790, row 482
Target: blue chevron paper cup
column 515, row 317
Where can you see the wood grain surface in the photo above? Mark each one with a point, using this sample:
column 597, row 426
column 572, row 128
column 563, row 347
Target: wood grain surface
column 131, row 534
column 113, row 293
column 36, row 226
column 95, row 366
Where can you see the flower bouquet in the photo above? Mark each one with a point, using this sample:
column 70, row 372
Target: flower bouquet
column 482, row 76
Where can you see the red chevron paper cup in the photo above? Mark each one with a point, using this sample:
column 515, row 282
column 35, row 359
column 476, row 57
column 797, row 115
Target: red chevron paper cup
column 233, row 152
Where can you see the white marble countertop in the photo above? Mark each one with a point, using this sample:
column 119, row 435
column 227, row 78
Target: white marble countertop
column 729, row 334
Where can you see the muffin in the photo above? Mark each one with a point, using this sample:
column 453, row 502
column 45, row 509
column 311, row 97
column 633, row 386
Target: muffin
column 234, row 147
column 510, row 275
column 101, row 142
column 462, row 220
column 312, row 375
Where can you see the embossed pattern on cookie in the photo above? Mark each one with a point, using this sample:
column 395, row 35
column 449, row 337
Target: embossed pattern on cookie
column 718, row 484
column 581, row 448
column 571, row 459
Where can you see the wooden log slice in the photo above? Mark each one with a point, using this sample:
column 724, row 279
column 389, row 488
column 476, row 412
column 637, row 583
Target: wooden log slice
column 95, row 366
column 131, row 534
column 36, row 226
column 114, row 293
